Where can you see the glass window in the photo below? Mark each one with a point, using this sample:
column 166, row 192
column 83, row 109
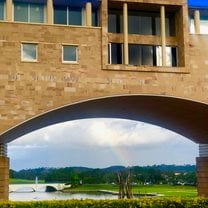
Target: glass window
column 28, row 12
column 115, row 53
column 140, row 23
column 149, row 23
column 1, row 10
column 115, row 21
column 94, row 17
column 170, row 23
column 20, row 12
column 36, row 13
column 171, row 56
column 169, row 30
column 69, row 53
column 146, row 25
column 174, row 56
column 60, row 15
column 204, row 21
column 151, row 55
column 134, row 24
column 191, row 21
column 75, row 16
column 135, row 52
column 147, row 55
column 66, row 15
column 141, row 55
column 29, row 52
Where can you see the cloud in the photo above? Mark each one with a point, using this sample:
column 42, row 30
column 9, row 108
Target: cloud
column 23, row 147
column 106, row 133
column 100, row 143
column 99, row 132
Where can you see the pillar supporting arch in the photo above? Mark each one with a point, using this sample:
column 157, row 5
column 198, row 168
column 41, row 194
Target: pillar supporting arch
column 202, row 170
column 4, row 172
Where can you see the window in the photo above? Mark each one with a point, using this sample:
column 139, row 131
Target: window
column 69, row 54
column 171, row 56
column 151, row 55
column 140, row 23
column 144, row 23
column 29, row 52
column 115, row 21
column 60, row 15
column 170, row 25
column 1, row 10
column 115, row 53
column 149, row 23
column 67, row 15
column 191, row 21
column 141, row 55
column 28, row 12
column 204, row 21
column 95, row 17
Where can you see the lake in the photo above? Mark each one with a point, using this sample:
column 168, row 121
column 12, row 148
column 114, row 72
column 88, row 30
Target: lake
column 38, row 196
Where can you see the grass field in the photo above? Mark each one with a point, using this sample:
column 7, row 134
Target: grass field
column 168, row 190
column 23, row 181
column 165, row 190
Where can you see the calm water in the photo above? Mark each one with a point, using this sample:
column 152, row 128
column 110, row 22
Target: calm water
column 38, row 196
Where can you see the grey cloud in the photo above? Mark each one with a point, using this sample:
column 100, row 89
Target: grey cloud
column 100, row 143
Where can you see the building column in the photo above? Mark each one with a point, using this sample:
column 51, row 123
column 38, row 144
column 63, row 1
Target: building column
column 163, row 34
column 9, row 10
column 104, row 26
column 197, row 21
column 89, row 14
column 50, row 12
column 202, row 170
column 4, row 173
column 125, row 31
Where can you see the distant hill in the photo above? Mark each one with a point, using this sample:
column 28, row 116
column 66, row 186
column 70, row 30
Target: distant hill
column 114, row 168
column 151, row 174
column 175, row 168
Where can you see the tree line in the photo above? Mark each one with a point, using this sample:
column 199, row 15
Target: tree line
column 157, row 174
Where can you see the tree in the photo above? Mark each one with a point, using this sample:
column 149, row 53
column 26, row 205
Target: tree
column 125, row 186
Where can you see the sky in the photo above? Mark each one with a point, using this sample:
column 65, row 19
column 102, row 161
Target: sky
column 100, row 143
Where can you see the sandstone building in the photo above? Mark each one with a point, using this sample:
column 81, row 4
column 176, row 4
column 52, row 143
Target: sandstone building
column 136, row 59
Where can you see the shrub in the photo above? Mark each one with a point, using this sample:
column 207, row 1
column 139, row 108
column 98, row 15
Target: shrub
column 134, row 203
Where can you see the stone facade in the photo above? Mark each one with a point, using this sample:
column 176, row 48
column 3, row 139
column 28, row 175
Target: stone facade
column 30, row 89
column 202, row 173
column 4, row 177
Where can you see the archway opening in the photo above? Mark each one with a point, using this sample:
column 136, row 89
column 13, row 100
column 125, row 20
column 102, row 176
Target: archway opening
column 185, row 117
column 103, row 143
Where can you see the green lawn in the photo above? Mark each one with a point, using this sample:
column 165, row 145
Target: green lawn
column 23, row 181
column 165, row 190
column 168, row 190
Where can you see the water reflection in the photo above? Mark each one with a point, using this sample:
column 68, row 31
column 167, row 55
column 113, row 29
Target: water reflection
column 38, row 196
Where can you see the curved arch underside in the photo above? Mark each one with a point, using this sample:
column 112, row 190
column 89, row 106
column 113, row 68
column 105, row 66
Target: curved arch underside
column 184, row 117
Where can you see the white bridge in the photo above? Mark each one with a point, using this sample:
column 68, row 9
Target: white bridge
column 36, row 187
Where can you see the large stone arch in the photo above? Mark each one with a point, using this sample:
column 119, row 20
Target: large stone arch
column 186, row 117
